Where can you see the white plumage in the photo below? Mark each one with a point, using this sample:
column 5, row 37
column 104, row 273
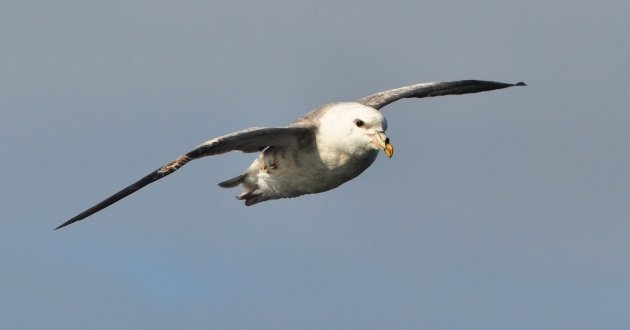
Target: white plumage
column 318, row 152
column 346, row 141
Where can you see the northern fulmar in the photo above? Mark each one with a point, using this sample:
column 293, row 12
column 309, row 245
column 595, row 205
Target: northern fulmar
column 318, row 152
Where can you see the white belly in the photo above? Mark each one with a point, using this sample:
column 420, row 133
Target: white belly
column 283, row 174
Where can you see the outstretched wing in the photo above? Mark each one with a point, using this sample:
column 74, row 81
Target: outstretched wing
column 429, row 89
column 249, row 140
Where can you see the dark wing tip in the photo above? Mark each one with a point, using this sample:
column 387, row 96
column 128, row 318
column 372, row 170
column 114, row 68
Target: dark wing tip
column 66, row 223
column 152, row 177
column 430, row 89
column 249, row 140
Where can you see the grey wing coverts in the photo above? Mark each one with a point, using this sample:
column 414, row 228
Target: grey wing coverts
column 429, row 89
column 297, row 135
column 249, row 140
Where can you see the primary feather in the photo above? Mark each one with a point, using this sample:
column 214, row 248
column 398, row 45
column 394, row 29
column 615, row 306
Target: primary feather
column 318, row 152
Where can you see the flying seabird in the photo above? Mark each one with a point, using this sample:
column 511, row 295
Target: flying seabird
column 318, row 152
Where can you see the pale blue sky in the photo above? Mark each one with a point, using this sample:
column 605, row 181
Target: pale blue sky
column 500, row 210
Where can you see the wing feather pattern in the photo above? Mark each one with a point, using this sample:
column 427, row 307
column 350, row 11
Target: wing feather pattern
column 249, row 140
column 429, row 89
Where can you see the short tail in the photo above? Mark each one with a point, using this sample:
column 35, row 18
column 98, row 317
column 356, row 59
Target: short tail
column 233, row 182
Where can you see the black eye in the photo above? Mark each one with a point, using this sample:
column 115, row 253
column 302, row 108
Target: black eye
column 359, row 122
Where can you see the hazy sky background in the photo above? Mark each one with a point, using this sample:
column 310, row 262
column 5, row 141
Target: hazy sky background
column 500, row 210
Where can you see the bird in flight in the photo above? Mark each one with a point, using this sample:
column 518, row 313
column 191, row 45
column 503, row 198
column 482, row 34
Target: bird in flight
column 318, row 152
